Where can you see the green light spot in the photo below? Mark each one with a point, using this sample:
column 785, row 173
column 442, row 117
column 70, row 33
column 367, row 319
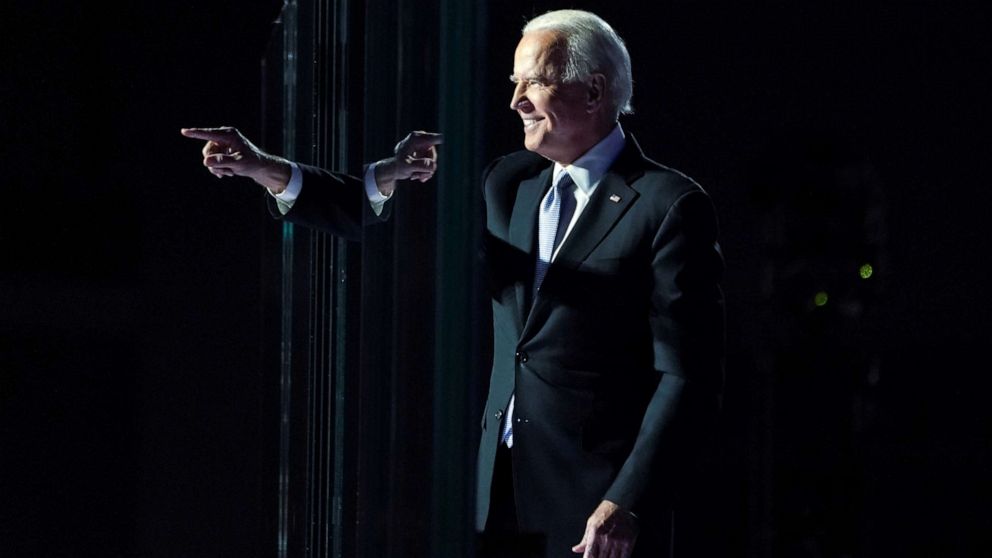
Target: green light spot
column 866, row 271
column 820, row 299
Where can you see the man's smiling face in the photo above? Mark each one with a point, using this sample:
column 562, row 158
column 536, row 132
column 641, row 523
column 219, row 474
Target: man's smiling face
column 556, row 120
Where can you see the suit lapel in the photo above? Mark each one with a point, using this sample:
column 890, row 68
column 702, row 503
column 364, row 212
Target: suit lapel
column 523, row 223
column 607, row 204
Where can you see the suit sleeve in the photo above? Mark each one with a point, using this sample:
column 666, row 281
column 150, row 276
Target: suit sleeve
column 331, row 202
column 687, row 327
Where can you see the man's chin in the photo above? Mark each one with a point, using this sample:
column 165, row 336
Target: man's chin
column 537, row 146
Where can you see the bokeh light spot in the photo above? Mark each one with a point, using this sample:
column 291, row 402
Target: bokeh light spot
column 820, row 299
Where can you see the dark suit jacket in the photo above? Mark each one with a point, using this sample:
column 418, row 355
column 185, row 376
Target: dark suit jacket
column 331, row 202
column 617, row 360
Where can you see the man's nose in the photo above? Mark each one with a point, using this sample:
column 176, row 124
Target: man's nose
column 519, row 99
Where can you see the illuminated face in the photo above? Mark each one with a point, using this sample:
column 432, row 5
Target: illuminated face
column 557, row 117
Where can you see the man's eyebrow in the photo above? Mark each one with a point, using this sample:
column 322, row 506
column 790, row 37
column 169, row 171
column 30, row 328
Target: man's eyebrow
column 530, row 77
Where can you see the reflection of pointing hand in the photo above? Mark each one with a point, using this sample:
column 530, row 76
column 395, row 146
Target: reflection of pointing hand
column 417, row 155
column 415, row 159
column 228, row 153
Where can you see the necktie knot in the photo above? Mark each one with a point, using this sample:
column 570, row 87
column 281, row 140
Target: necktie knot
column 565, row 184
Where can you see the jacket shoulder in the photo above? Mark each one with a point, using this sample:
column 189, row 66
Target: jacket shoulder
column 659, row 175
column 665, row 185
column 512, row 168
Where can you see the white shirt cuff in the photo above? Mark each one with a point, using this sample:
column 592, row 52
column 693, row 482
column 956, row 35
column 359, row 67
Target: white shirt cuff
column 286, row 198
column 376, row 199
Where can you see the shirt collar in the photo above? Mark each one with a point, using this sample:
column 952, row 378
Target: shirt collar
column 589, row 169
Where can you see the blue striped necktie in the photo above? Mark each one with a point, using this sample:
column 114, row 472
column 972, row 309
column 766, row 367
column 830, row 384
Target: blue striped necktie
column 557, row 209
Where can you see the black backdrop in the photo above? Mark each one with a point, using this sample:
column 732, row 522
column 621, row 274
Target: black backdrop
column 132, row 394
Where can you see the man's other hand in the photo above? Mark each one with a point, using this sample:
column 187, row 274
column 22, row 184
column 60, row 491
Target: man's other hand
column 228, row 153
column 415, row 158
column 610, row 533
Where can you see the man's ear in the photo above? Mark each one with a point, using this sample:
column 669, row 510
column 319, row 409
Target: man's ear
column 596, row 93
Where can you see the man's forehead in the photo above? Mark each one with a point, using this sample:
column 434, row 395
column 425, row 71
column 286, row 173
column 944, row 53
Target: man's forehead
column 538, row 54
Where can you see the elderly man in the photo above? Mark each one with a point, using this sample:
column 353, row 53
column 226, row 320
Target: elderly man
column 604, row 269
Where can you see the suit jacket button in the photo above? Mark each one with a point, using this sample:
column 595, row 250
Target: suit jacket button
column 499, row 414
column 522, row 356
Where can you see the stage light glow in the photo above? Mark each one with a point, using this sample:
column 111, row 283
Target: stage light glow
column 866, row 271
column 820, row 299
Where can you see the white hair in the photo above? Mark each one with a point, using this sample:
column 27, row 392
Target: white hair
column 591, row 47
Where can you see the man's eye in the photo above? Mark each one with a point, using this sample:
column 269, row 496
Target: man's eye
column 528, row 83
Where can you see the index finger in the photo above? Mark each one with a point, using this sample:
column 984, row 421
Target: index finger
column 212, row 134
column 423, row 140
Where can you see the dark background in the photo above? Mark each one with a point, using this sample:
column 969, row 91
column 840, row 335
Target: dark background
column 131, row 385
